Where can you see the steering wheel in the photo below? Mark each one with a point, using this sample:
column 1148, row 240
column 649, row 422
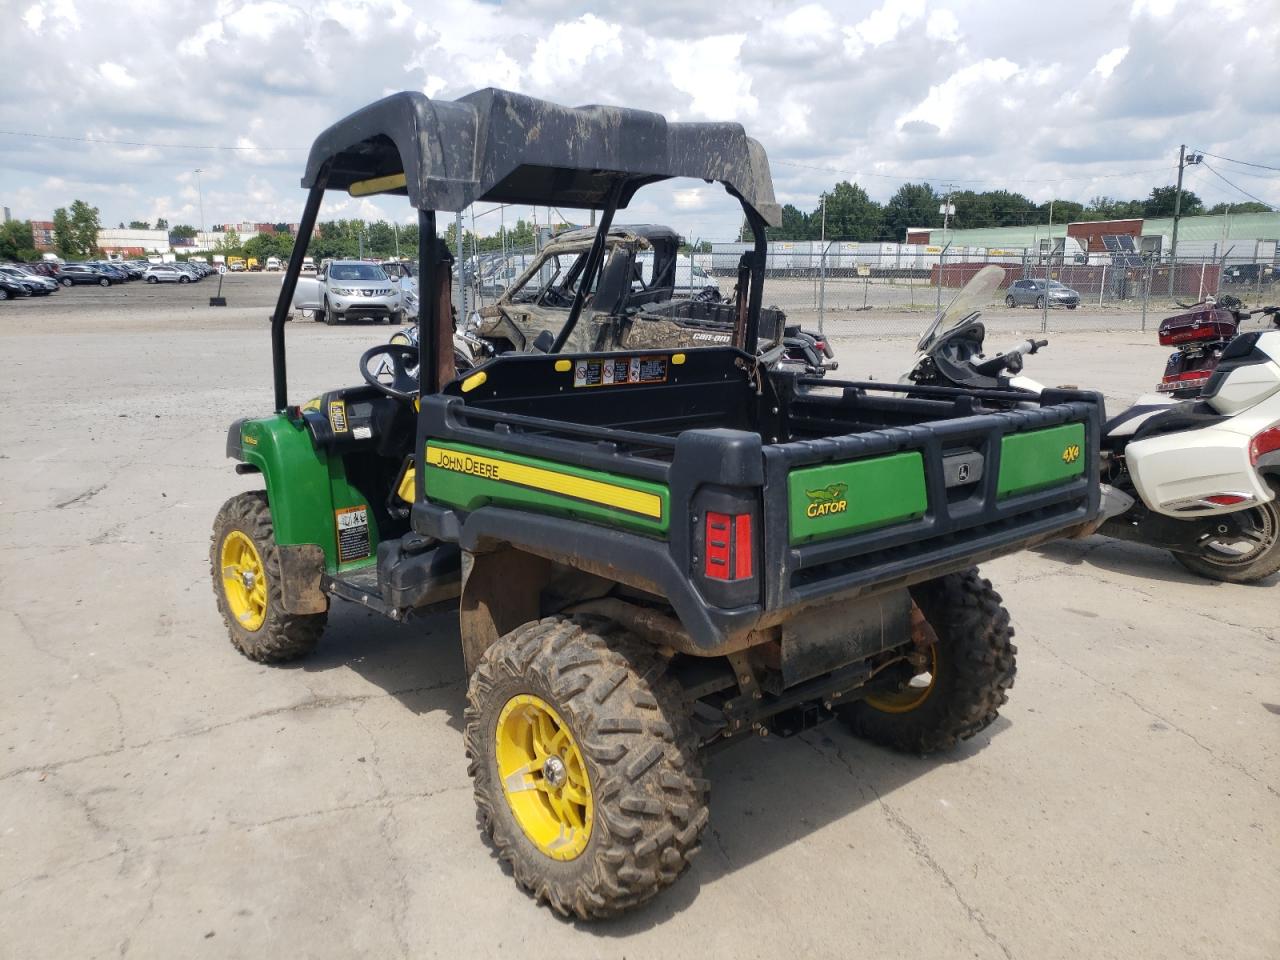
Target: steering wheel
column 394, row 374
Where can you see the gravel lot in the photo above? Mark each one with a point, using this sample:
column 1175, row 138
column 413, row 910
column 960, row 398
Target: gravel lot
column 161, row 796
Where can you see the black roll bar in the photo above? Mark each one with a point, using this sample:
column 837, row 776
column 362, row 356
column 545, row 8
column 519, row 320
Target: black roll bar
column 592, row 267
column 285, row 301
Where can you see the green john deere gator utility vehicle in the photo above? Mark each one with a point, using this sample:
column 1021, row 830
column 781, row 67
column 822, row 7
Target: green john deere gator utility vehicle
column 655, row 552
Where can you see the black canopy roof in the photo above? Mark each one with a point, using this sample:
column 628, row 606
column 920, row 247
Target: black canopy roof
column 504, row 147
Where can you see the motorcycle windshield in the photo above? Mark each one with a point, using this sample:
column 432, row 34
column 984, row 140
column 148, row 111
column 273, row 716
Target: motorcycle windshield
column 965, row 305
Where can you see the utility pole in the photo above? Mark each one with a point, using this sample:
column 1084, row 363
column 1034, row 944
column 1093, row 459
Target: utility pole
column 200, row 193
column 1048, row 262
column 1183, row 162
column 947, row 210
column 461, row 272
column 822, row 266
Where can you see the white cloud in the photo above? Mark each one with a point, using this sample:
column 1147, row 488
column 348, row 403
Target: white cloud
column 1108, row 62
column 946, row 101
column 943, row 25
column 117, row 76
column 910, row 90
column 569, row 47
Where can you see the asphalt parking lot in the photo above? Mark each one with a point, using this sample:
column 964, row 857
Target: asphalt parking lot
column 161, row 796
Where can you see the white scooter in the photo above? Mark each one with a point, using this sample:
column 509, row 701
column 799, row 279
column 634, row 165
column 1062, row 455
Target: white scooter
column 1200, row 477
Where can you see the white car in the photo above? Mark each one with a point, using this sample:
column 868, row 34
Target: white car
column 165, row 273
column 350, row 290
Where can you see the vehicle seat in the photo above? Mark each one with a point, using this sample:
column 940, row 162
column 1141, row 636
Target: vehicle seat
column 1152, row 419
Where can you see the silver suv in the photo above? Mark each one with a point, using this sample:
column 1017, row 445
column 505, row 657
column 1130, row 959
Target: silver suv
column 349, row 290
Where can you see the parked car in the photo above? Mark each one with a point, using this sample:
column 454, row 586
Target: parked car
column 81, row 273
column 11, row 289
column 1030, row 293
column 37, row 285
column 349, row 290
column 116, row 273
column 165, row 273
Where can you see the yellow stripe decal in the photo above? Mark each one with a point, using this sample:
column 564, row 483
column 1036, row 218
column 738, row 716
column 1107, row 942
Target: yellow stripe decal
column 365, row 188
column 550, row 481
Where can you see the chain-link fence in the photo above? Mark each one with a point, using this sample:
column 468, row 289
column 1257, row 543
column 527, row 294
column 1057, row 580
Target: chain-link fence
column 894, row 289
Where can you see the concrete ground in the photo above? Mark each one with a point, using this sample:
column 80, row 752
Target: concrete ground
column 162, row 796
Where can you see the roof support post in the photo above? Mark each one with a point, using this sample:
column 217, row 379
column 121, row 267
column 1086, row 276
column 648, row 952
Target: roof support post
column 592, row 266
column 750, row 341
column 285, row 301
column 428, row 304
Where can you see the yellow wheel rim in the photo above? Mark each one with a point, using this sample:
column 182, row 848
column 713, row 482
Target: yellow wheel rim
column 544, row 777
column 915, row 693
column 244, row 581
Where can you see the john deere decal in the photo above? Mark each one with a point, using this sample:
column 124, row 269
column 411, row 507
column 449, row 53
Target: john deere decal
column 828, row 499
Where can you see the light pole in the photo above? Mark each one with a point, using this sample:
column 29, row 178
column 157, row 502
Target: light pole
column 200, row 194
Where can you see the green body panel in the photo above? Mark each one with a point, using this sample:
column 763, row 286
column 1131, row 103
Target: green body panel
column 1040, row 458
column 304, row 488
column 840, row 498
column 469, row 491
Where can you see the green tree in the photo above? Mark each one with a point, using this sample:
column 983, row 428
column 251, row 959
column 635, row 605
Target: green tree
column 265, row 245
column 795, row 225
column 181, row 232
column 64, row 240
column 914, row 205
column 139, row 224
column 16, row 241
column 1160, row 203
column 229, row 244
column 163, row 224
column 850, row 214
column 1248, row 206
column 84, row 227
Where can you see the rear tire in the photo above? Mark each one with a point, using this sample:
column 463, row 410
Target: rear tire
column 1251, row 567
column 974, row 663
column 256, row 620
column 638, row 801
column 4, row 294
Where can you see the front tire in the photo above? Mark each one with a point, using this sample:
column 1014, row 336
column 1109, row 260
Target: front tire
column 1010, row 302
column 152, row 280
column 245, row 566
column 329, row 318
column 65, row 281
column 1256, row 564
column 1039, row 303
column 184, row 279
column 968, row 661
column 104, row 282
column 584, row 764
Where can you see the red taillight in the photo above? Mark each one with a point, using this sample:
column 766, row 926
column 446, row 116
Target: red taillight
column 1227, row 499
column 1268, row 441
column 728, row 551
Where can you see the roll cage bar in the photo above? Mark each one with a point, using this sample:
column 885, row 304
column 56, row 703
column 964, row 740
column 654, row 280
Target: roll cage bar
column 503, row 147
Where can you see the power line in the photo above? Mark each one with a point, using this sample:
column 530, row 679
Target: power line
column 1247, row 163
column 1265, row 203
column 135, row 143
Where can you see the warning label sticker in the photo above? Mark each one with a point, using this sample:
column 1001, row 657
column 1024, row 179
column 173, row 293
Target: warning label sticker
column 338, row 416
column 353, row 533
column 616, row 371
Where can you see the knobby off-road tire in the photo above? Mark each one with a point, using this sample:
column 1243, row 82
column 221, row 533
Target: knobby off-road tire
column 1257, row 566
column 276, row 636
column 974, row 666
column 640, row 756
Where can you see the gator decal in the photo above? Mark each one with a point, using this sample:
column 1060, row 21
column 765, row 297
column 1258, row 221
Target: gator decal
column 1040, row 458
column 469, row 477
column 841, row 498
